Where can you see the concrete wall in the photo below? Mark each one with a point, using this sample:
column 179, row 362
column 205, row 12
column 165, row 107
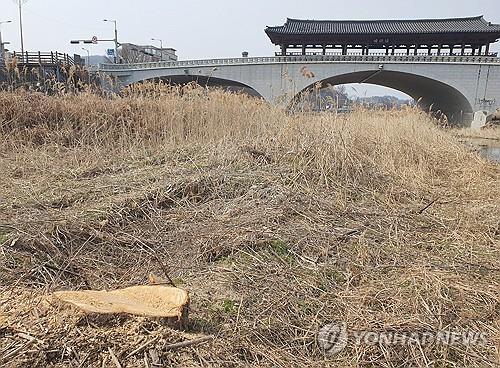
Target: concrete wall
column 458, row 89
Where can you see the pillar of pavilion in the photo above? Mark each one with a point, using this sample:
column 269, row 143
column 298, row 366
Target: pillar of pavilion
column 451, row 36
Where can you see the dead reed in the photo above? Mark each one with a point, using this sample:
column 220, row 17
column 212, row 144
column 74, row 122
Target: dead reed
column 277, row 225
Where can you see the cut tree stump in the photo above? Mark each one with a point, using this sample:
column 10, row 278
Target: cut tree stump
column 149, row 301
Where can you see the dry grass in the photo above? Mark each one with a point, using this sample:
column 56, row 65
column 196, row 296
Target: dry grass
column 276, row 224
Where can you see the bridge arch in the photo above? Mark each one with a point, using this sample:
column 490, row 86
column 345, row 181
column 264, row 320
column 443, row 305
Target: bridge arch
column 431, row 94
column 206, row 81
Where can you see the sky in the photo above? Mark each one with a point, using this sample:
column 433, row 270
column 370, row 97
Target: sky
column 200, row 29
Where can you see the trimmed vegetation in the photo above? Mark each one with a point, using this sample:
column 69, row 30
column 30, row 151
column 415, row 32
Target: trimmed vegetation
column 276, row 224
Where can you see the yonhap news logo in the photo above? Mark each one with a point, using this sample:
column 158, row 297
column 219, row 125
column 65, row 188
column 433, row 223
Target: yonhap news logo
column 334, row 337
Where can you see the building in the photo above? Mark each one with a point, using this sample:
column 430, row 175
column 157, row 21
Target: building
column 452, row 36
column 131, row 53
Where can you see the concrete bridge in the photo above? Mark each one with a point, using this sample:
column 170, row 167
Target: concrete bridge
column 463, row 87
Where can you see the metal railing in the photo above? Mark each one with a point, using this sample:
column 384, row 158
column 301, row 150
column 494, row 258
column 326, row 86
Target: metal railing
column 339, row 53
column 304, row 58
column 42, row 58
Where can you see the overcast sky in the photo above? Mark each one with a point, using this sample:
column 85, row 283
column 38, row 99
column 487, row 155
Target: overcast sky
column 201, row 28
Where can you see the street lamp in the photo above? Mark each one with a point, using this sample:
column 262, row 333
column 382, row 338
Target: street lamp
column 2, row 48
column 88, row 56
column 161, row 47
column 116, row 37
column 88, row 64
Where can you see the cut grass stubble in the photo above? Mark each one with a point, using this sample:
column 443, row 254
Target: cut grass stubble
column 277, row 224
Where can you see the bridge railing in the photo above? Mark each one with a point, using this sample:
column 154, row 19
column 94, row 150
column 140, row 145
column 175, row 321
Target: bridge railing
column 491, row 54
column 304, row 58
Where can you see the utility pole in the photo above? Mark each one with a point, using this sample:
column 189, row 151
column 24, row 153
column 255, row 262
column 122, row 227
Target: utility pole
column 21, row 3
column 115, row 39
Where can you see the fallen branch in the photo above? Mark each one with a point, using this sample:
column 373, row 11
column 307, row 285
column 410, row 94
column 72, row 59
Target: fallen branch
column 143, row 346
column 422, row 210
column 188, row 343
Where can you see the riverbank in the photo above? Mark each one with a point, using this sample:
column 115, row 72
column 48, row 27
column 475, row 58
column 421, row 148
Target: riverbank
column 276, row 225
column 485, row 141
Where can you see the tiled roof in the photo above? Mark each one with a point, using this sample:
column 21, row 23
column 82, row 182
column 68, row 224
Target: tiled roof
column 416, row 26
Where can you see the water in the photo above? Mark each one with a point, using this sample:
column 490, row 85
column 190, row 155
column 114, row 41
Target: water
column 488, row 148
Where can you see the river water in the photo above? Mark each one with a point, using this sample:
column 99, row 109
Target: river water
column 488, row 148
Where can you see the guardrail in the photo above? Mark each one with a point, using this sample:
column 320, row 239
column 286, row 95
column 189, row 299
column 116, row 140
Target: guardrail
column 43, row 58
column 302, row 58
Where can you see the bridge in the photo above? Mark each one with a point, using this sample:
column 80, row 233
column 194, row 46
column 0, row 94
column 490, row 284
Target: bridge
column 456, row 75
column 459, row 86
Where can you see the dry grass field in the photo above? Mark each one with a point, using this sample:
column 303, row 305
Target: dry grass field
column 276, row 224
